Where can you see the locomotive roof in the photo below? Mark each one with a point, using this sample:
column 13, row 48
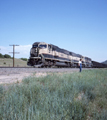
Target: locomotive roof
column 66, row 51
column 36, row 43
column 60, row 49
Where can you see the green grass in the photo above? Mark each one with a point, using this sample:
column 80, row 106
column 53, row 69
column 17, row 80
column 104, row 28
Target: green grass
column 77, row 96
column 8, row 62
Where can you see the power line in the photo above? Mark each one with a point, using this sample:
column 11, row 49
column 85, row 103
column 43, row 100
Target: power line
column 14, row 52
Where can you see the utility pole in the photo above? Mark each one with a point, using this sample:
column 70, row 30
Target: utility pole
column 14, row 52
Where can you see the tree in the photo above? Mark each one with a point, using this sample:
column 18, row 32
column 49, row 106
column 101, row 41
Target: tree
column 7, row 56
column 25, row 59
column 1, row 56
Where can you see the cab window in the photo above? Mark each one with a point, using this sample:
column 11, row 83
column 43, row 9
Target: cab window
column 43, row 46
column 35, row 46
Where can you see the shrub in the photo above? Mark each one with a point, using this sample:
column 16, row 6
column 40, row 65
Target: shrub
column 1, row 91
column 4, row 63
column 7, row 56
column 1, row 56
column 25, row 59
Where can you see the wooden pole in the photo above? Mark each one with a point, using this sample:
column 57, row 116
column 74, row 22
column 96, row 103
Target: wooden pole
column 14, row 53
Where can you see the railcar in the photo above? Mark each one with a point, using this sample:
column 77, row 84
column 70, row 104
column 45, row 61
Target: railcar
column 47, row 55
column 98, row 65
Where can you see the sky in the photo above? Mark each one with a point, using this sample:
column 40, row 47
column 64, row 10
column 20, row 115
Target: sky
column 78, row 26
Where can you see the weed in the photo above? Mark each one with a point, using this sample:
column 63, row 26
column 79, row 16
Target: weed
column 1, row 92
column 4, row 63
column 67, row 97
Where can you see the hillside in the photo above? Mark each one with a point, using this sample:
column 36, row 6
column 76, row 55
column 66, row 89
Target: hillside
column 105, row 62
column 8, row 62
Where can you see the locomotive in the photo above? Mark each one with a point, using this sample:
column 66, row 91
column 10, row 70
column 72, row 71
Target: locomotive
column 47, row 55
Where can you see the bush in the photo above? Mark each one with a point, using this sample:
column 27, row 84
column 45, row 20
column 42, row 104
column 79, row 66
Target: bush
column 1, row 56
column 7, row 56
column 25, row 59
column 1, row 91
column 4, row 63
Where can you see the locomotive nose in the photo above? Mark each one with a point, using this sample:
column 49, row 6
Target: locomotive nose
column 36, row 50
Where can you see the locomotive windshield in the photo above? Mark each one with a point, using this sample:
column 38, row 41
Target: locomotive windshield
column 35, row 46
column 43, row 46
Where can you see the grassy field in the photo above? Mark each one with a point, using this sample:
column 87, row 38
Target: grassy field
column 75, row 96
column 8, row 62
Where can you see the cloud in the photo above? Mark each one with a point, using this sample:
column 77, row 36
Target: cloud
column 23, row 50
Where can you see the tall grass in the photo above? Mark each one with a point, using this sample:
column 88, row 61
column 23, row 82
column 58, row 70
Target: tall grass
column 77, row 96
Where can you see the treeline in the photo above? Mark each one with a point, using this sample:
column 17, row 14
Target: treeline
column 5, row 56
column 8, row 56
column 25, row 59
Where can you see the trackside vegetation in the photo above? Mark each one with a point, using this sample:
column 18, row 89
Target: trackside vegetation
column 70, row 96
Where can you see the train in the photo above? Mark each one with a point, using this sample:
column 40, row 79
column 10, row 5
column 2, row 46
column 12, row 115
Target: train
column 47, row 55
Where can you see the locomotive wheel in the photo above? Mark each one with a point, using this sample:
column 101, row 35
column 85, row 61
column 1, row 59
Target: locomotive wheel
column 50, row 64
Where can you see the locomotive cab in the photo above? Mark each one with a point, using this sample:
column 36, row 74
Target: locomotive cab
column 37, row 49
column 43, row 48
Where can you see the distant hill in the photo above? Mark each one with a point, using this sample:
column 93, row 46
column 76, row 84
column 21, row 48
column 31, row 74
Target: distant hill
column 6, row 62
column 105, row 62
